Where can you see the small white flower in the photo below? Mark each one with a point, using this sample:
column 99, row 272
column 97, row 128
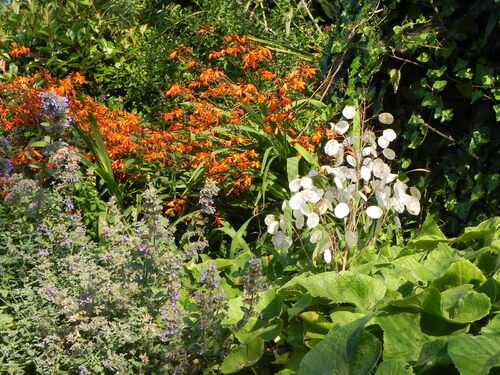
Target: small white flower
column 327, row 256
column 315, row 236
column 389, row 154
column 341, row 127
column 278, row 239
column 286, row 243
column 351, row 160
column 380, row 169
column 323, row 206
column 273, row 227
column 313, row 195
column 294, row 185
column 306, row 182
column 341, row 211
column 369, row 151
column 412, row 205
column 313, row 220
column 390, row 134
column 386, row 118
column 374, row 212
column 349, row 112
column 415, row 192
column 383, row 142
column 296, row 200
column 332, row 147
column 269, row 219
column 327, row 169
column 365, row 172
column 299, row 221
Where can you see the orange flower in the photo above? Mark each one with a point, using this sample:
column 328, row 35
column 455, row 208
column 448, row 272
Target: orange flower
column 19, row 51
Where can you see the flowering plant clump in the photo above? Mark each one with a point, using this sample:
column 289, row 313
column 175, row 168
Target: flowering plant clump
column 351, row 197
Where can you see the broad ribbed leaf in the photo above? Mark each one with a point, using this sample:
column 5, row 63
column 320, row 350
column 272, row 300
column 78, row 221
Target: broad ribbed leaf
column 345, row 350
column 475, row 355
column 394, row 367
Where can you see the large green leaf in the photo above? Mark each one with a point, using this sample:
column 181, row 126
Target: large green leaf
column 245, row 356
column 394, row 367
column 430, row 235
column 459, row 273
column 363, row 291
column 406, row 334
column 475, row 355
column 345, row 350
column 464, row 305
column 488, row 230
column 458, row 305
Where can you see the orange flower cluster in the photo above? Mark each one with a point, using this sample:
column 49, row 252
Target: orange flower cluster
column 19, row 51
column 212, row 102
column 21, row 113
column 204, row 128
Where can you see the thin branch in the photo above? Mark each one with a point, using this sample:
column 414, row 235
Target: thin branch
column 451, row 139
column 304, row 5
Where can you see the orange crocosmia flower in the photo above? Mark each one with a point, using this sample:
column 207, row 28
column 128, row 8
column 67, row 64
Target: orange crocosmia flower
column 308, row 71
column 298, row 85
column 218, row 220
column 19, row 51
column 205, row 29
column 78, row 78
column 266, row 74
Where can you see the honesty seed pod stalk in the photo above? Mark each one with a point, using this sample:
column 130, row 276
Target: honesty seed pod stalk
column 343, row 207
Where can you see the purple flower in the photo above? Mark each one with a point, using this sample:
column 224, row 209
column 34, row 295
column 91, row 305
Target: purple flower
column 6, row 166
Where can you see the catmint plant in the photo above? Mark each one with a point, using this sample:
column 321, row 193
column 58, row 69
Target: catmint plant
column 344, row 205
column 55, row 111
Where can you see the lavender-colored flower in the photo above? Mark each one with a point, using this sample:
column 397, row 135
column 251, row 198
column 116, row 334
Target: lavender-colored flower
column 6, row 166
column 55, row 108
column 207, row 194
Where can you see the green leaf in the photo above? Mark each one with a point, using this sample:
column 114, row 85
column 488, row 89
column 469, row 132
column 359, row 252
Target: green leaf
column 237, row 240
column 301, row 304
column 403, row 337
column 429, row 301
column 315, row 322
column 460, row 273
column 362, row 291
column 430, row 235
column 395, row 78
column 488, row 231
column 493, row 327
column 312, row 159
column 245, row 356
column 439, row 85
column 464, row 305
column 394, row 367
column 292, row 168
column 475, row 355
column 345, row 350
